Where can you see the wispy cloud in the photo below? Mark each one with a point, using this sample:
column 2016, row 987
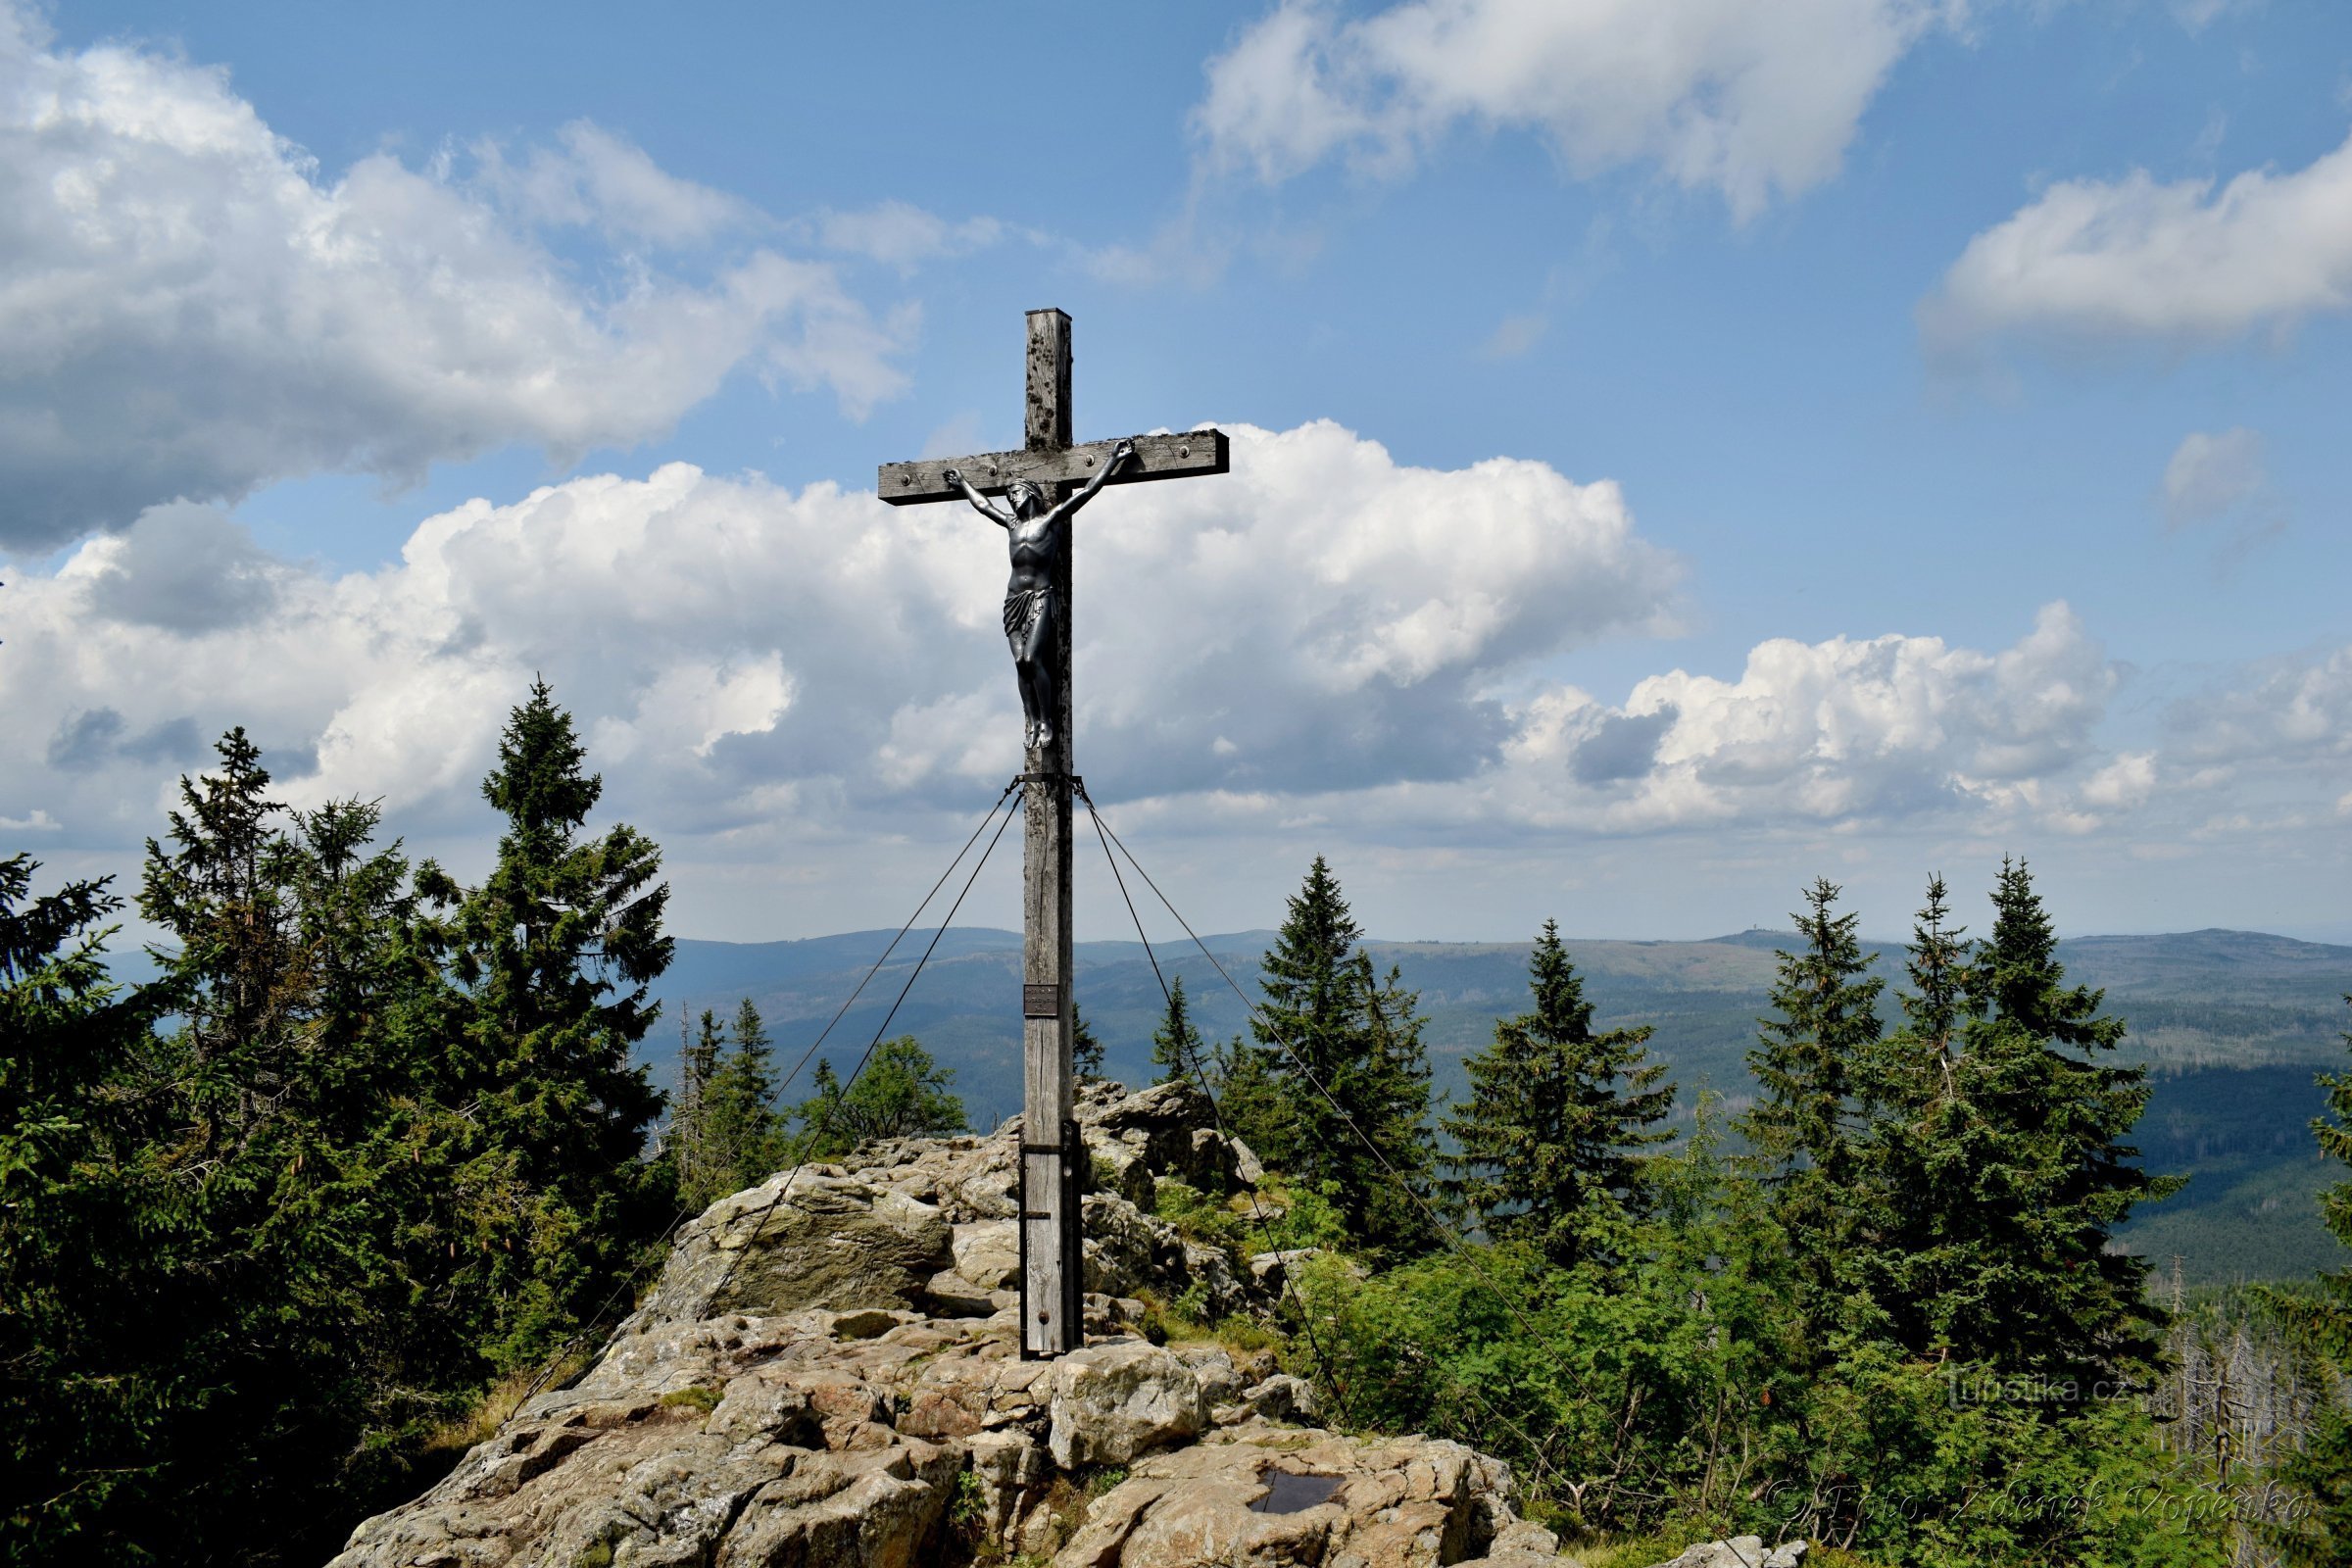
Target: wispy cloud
column 2210, row 474
column 1753, row 102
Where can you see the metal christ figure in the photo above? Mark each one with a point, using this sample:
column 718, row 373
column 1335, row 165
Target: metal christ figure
column 1035, row 534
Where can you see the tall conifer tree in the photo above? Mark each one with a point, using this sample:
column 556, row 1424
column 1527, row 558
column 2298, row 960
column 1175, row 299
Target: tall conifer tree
column 556, row 950
column 1309, row 1021
column 1177, row 1050
column 1383, row 1187
column 219, row 892
column 243, row 1079
column 1811, row 1063
column 743, row 1131
column 688, row 1139
column 306, row 1100
column 93, row 1347
column 1341, row 1049
column 1920, row 1226
column 2052, row 1177
column 703, row 1158
column 1811, row 1058
column 1550, row 1140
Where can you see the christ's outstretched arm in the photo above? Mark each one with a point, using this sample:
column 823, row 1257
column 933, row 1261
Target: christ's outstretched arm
column 1087, row 491
column 954, row 477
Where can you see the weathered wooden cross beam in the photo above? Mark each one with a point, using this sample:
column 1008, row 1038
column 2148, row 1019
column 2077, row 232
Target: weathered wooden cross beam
column 1053, row 1159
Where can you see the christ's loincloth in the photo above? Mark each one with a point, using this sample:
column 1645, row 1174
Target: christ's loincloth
column 1025, row 608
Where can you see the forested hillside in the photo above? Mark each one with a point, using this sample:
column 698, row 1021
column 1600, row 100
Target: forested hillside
column 2233, row 1024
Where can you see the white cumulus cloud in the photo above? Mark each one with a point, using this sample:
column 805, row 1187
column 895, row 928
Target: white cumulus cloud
column 190, row 308
column 1750, row 101
column 2139, row 257
column 1324, row 649
column 1321, row 618
column 1881, row 729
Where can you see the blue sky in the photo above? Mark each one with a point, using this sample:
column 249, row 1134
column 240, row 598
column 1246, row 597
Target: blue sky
column 1705, row 446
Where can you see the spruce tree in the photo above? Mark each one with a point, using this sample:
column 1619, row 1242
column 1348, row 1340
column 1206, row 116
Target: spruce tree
column 369, row 1123
column 555, row 951
column 1344, row 1102
column 220, row 893
column 307, row 1112
column 1176, row 1047
column 701, row 1159
column 1311, row 1024
column 93, row 1366
column 743, row 1129
column 245, row 1079
column 1551, row 1142
column 688, row 1142
column 1810, row 1064
column 2049, row 1177
column 1810, row 1059
column 1919, row 1225
column 1382, row 1189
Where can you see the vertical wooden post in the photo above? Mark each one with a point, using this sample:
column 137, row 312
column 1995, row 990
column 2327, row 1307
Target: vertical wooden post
column 1052, row 1260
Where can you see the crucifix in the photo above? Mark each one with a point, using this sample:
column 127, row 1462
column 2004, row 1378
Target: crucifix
column 1044, row 484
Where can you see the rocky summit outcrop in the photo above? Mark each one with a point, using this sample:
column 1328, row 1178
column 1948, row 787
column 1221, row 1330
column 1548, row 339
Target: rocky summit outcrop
column 833, row 1378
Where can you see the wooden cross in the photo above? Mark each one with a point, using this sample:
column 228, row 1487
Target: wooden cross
column 1053, row 1159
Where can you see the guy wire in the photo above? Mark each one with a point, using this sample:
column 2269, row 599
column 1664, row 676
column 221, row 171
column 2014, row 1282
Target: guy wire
column 825, row 1110
column 572, row 1344
column 1190, row 1064
column 1461, row 1247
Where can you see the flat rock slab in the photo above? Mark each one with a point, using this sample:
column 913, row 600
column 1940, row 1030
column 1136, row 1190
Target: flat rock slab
column 1405, row 1503
column 831, row 1242
column 1740, row 1552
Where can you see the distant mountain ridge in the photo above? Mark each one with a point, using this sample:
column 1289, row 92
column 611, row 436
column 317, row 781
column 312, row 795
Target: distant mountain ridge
column 2196, row 999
